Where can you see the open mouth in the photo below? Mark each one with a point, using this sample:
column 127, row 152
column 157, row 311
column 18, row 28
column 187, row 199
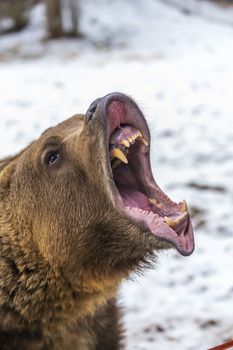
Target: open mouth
column 136, row 192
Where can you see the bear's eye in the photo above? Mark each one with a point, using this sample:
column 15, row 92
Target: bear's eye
column 51, row 157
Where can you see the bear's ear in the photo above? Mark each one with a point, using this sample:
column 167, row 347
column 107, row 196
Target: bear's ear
column 5, row 162
column 6, row 170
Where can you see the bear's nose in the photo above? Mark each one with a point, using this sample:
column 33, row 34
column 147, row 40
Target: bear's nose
column 117, row 95
column 91, row 110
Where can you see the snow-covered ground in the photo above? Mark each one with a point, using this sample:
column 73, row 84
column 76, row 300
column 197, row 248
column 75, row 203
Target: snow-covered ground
column 179, row 68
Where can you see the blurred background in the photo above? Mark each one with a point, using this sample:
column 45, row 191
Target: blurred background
column 175, row 57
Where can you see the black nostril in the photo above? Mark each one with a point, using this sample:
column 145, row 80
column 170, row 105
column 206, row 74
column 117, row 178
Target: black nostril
column 91, row 110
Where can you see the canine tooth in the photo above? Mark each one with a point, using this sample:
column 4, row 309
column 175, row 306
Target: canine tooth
column 139, row 133
column 170, row 222
column 181, row 217
column 143, row 141
column 130, row 139
column 116, row 152
column 125, row 143
column 184, row 206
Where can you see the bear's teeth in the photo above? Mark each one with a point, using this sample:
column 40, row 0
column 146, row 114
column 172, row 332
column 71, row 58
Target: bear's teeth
column 117, row 153
column 182, row 217
column 143, row 141
column 184, row 206
column 125, row 143
column 170, row 222
column 174, row 223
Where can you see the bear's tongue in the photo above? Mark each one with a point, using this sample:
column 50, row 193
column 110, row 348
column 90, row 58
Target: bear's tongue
column 134, row 198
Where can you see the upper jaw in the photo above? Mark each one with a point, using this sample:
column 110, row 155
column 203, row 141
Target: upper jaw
column 155, row 211
column 109, row 104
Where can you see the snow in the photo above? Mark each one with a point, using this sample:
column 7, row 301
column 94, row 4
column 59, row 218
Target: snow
column 178, row 68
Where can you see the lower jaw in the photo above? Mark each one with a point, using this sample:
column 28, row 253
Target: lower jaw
column 155, row 224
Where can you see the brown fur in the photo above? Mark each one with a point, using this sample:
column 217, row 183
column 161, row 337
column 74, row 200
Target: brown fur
column 64, row 246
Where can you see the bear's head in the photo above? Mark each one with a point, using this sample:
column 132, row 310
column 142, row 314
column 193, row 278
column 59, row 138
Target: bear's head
column 82, row 201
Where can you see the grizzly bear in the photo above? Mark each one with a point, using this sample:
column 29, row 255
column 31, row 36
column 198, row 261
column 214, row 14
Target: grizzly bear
column 79, row 211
